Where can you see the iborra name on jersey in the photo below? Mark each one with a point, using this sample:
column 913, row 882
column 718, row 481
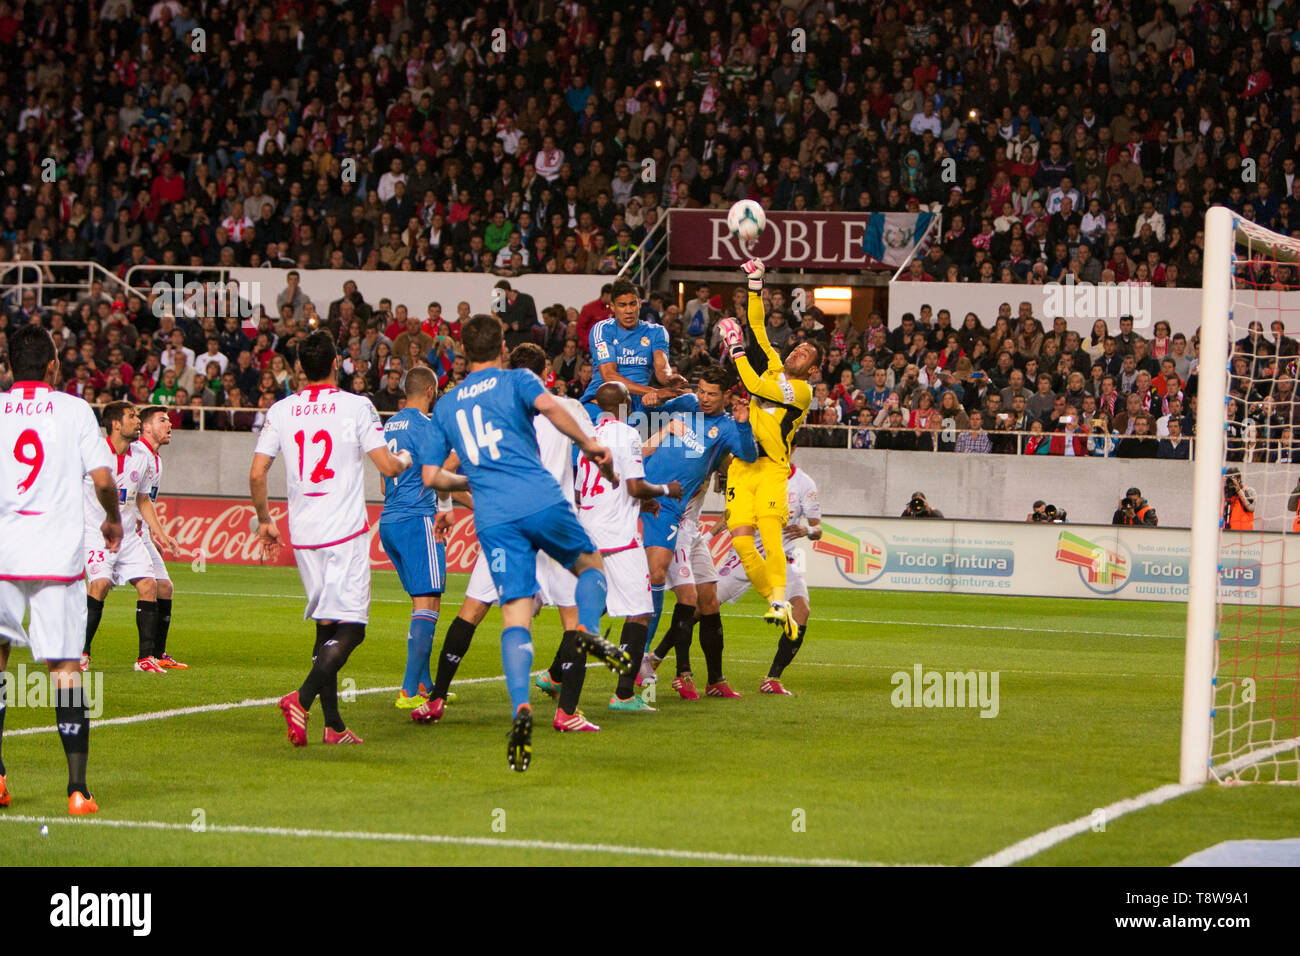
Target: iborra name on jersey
column 315, row 408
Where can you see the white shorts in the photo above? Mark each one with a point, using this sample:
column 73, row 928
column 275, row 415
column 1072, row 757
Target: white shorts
column 159, row 565
column 692, row 562
column 337, row 580
column 627, row 577
column 58, row 626
column 129, row 562
column 555, row 584
column 733, row 582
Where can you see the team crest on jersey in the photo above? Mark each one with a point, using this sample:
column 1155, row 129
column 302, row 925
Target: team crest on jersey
column 713, row 432
column 645, row 340
column 135, row 476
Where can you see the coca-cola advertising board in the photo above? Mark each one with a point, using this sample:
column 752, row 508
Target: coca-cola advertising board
column 219, row 531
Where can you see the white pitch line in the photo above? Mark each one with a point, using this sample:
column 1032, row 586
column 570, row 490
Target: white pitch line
column 828, row 620
column 1032, row 846
column 499, row 843
column 216, row 708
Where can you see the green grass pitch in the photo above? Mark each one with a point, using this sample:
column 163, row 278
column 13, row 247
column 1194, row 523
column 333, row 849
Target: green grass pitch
column 1088, row 714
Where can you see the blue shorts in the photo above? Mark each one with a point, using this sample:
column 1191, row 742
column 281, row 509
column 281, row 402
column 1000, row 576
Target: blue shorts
column 660, row 531
column 511, row 548
column 421, row 562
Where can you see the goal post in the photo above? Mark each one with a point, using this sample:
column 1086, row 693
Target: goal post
column 1203, row 571
column 1241, row 672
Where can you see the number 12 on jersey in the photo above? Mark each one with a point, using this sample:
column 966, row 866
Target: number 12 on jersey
column 484, row 435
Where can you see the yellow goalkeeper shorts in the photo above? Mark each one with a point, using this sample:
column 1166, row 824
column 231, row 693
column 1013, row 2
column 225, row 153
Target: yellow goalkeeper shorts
column 756, row 490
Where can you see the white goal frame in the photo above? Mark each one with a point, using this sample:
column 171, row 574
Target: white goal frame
column 1224, row 229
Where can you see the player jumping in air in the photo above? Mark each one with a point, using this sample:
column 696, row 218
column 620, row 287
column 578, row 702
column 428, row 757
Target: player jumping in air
column 625, row 349
column 131, row 562
column 805, row 520
column 325, row 435
column 413, row 532
column 519, row 508
column 156, row 431
column 756, row 492
column 52, row 442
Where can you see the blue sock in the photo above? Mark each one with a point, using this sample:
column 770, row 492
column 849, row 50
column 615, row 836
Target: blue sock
column 517, row 660
column 590, row 595
column 419, row 646
column 656, row 601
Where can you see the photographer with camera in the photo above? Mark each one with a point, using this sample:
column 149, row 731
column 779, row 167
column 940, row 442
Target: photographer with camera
column 918, row 507
column 1045, row 513
column 1238, row 503
column 1135, row 510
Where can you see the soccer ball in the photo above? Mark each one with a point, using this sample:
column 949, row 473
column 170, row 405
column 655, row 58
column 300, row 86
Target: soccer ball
column 746, row 220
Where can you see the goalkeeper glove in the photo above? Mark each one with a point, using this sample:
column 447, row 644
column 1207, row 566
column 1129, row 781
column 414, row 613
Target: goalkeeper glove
column 732, row 337
column 754, row 268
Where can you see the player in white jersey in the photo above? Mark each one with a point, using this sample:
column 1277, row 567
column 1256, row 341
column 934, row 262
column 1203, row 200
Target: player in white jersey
column 51, row 443
column 156, row 431
column 805, row 520
column 610, row 516
column 565, row 677
column 131, row 562
column 325, row 435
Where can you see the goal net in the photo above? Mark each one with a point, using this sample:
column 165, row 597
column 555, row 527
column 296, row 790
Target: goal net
column 1241, row 704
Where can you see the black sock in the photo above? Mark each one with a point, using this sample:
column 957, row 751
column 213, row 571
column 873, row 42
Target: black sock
column 323, row 679
column 786, row 649
column 4, row 699
column 74, row 730
column 573, row 672
column 454, row 645
column 633, row 640
column 563, row 655
column 711, row 645
column 679, row 636
column 146, row 625
column 164, row 625
column 94, row 611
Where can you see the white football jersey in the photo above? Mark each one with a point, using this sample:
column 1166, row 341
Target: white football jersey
column 153, row 477
column 608, row 514
column 555, row 448
column 325, row 435
column 131, row 472
column 49, row 442
column 803, row 501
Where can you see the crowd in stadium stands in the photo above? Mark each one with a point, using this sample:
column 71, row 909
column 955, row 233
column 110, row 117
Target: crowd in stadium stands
column 1057, row 139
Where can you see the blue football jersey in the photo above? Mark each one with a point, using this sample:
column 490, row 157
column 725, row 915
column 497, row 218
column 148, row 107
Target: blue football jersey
column 690, row 457
column 632, row 350
column 488, row 421
column 406, row 495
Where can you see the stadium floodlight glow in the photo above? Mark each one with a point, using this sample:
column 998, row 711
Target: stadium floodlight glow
column 1241, row 675
column 832, row 293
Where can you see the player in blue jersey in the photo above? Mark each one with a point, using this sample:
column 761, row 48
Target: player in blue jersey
column 625, row 349
column 413, row 532
column 519, row 508
column 696, row 439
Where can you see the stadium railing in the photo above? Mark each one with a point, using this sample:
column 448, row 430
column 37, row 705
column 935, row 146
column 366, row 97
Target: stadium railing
column 843, row 437
column 15, row 281
column 650, row 256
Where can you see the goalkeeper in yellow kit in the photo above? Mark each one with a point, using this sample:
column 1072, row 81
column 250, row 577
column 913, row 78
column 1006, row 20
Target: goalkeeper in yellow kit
column 756, row 495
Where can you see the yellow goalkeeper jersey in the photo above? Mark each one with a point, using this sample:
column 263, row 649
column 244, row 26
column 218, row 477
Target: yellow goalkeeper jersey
column 778, row 403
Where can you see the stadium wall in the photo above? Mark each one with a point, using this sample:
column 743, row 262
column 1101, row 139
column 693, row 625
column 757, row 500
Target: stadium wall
column 1181, row 308
column 852, row 482
column 415, row 290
